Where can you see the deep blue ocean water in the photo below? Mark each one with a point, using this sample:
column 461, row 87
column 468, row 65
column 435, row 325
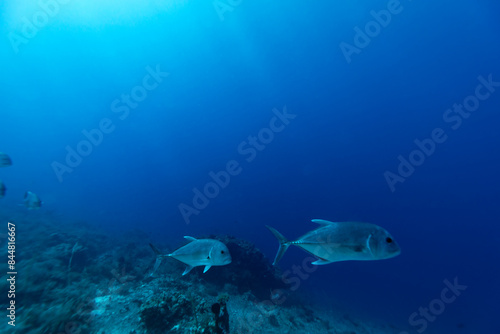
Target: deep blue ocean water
column 121, row 114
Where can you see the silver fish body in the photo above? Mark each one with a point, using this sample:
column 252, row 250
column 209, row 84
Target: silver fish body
column 32, row 201
column 199, row 252
column 5, row 160
column 342, row 241
column 2, row 189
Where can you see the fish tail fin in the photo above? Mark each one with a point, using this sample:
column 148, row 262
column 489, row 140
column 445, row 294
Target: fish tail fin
column 156, row 250
column 159, row 257
column 284, row 244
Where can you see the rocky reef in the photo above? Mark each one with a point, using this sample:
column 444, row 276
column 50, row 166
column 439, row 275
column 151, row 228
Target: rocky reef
column 76, row 279
column 250, row 270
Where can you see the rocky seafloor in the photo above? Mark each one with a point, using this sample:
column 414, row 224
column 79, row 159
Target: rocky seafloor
column 74, row 280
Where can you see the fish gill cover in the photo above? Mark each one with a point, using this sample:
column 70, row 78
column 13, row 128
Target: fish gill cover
column 129, row 123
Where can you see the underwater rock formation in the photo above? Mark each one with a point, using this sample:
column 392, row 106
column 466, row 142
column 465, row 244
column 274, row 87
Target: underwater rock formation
column 164, row 310
column 221, row 315
column 250, row 270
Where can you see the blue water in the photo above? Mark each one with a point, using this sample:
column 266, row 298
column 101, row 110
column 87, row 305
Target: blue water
column 351, row 115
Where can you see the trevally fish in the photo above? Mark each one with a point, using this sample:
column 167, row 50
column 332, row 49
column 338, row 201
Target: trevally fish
column 32, row 201
column 5, row 160
column 199, row 252
column 2, row 189
column 342, row 241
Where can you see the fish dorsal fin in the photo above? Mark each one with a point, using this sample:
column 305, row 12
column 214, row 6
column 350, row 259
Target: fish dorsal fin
column 188, row 269
column 322, row 222
column 206, row 269
column 190, row 238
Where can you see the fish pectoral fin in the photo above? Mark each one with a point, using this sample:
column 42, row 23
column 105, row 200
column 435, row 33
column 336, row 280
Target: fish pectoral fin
column 357, row 248
column 321, row 262
column 187, row 270
column 189, row 238
column 206, row 269
column 322, row 222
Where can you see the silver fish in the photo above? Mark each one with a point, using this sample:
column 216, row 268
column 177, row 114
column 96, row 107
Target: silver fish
column 199, row 252
column 2, row 189
column 32, row 201
column 333, row 242
column 5, row 160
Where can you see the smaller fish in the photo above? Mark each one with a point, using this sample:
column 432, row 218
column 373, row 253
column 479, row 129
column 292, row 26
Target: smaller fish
column 2, row 189
column 199, row 252
column 5, row 160
column 32, row 201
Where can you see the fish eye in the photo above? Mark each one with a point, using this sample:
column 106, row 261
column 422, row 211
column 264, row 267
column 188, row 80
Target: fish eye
column 388, row 240
column 222, row 252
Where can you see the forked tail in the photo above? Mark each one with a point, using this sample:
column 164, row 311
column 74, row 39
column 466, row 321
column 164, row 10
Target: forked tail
column 284, row 244
column 159, row 257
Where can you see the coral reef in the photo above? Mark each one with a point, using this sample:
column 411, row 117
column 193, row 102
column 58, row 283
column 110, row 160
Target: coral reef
column 250, row 270
column 76, row 279
column 163, row 310
column 221, row 314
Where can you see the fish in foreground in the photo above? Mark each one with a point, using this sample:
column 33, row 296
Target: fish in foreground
column 2, row 189
column 343, row 241
column 5, row 160
column 32, row 201
column 198, row 252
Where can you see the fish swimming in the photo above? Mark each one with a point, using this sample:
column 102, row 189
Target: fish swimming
column 32, row 201
column 199, row 252
column 5, row 160
column 343, row 241
column 2, row 189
